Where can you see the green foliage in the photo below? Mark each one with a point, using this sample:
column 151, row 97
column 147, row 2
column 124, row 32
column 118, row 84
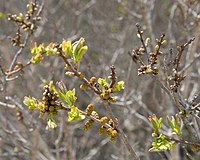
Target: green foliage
column 31, row 103
column 107, row 90
column 67, row 97
column 68, row 73
column 155, row 122
column 67, row 48
column 75, row 50
column 78, row 50
column 118, row 87
column 36, row 52
column 50, row 50
column 161, row 144
column 75, row 115
column 175, row 124
column 102, row 82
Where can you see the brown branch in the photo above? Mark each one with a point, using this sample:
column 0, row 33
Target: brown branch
column 180, row 52
column 19, row 52
column 140, row 32
column 78, row 74
column 122, row 135
column 195, row 144
column 112, row 76
column 7, row 105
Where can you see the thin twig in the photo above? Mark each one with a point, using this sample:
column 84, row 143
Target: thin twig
column 7, row 105
column 19, row 52
column 140, row 32
column 180, row 52
column 77, row 74
column 195, row 144
column 122, row 135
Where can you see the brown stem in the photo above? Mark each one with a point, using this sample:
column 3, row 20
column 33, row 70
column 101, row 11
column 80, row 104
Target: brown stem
column 122, row 135
column 77, row 74
column 140, row 32
column 183, row 141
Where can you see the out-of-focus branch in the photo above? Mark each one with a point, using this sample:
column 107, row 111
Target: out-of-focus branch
column 122, row 135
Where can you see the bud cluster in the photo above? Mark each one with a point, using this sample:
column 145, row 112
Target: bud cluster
column 25, row 22
column 152, row 56
column 106, row 126
column 50, row 100
column 175, row 80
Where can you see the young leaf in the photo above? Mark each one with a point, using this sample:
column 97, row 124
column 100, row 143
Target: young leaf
column 78, row 50
column 36, row 59
column 67, row 48
column 67, row 97
column 31, row 103
column 75, row 115
column 102, row 82
column 118, row 87
column 161, row 144
column 50, row 49
column 156, row 123
column 175, row 124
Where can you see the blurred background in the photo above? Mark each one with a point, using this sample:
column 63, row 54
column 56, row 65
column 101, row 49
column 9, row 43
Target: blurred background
column 109, row 28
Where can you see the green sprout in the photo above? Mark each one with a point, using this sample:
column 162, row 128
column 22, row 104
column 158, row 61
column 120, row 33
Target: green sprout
column 156, row 123
column 75, row 115
column 161, row 144
column 175, row 124
column 31, row 103
column 67, row 97
column 118, row 87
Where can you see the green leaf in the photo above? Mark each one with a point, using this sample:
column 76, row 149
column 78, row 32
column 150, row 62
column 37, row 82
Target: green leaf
column 68, row 73
column 175, row 124
column 78, row 50
column 68, row 98
column 67, row 48
column 75, row 115
column 118, row 87
column 156, row 123
column 51, row 86
column 81, row 52
column 41, row 48
column 50, row 49
column 34, row 51
column 37, row 58
column 161, row 144
column 31, row 103
column 102, row 82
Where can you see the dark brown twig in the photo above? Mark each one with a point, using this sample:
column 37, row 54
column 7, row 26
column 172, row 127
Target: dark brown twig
column 112, row 76
column 180, row 52
column 140, row 32
column 77, row 74
column 122, row 135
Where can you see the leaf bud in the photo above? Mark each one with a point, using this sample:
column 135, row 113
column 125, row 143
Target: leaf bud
column 92, row 80
column 83, row 86
column 157, row 47
column 95, row 114
column 103, row 120
column 89, row 109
